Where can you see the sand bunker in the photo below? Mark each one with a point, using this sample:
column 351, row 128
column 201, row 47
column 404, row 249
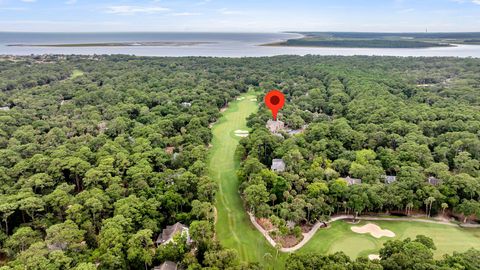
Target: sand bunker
column 373, row 229
column 374, row 257
column 241, row 133
column 253, row 99
column 240, row 98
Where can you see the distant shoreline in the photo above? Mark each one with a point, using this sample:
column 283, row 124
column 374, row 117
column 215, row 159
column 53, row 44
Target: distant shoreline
column 118, row 44
column 374, row 40
column 340, row 46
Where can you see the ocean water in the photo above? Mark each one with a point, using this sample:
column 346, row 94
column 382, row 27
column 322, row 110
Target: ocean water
column 219, row 45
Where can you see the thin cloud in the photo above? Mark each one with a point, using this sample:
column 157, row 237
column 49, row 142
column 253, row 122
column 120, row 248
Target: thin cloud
column 226, row 11
column 202, row 2
column 29, row 1
column 407, row 10
column 477, row 2
column 186, row 14
column 71, row 2
column 130, row 10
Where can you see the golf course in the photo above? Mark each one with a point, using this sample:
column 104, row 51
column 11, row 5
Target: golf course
column 233, row 227
column 235, row 231
column 340, row 237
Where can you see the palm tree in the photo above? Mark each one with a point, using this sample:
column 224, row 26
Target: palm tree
column 278, row 246
column 428, row 203
column 444, row 206
column 409, row 208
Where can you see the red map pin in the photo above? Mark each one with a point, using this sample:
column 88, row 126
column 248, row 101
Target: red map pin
column 275, row 101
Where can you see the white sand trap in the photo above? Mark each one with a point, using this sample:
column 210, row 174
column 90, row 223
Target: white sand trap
column 240, row 98
column 373, row 229
column 253, row 99
column 241, row 133
column 374, row 257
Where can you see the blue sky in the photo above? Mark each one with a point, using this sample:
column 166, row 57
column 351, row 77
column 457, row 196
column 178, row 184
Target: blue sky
column 240, row 15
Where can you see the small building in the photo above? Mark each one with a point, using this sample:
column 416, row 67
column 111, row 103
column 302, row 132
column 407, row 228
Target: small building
column 278, row 165
column 186, row 104
column 389, row 179
column 168, row 265
column 57, row 246
column 434, row 181
column 352, row 181
column 4, row 108
column 170, row 232
column 275, row 126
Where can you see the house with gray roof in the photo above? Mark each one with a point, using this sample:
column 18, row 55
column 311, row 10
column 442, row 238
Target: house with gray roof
column 275, row 126
column 434, row 181
column 278, row 165
column 389, row 179
column 4, row 108
column 352, row 181
column 170, row 232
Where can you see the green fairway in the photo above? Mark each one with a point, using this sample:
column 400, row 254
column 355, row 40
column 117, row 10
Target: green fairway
column 234, row 229
column 339, row 237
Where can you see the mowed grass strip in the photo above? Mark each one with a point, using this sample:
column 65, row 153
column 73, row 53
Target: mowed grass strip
column 233, row 228
column 339, row 237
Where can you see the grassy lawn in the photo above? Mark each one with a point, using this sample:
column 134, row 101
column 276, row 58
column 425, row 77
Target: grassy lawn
column 234, row 229
column 339, row 237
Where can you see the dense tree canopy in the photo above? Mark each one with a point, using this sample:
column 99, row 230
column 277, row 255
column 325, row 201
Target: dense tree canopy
column 94, row 166
column 367, row 118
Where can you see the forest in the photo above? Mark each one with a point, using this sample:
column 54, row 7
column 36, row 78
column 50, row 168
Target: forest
column 413, row 121
column 99, row 154
column 380, row 40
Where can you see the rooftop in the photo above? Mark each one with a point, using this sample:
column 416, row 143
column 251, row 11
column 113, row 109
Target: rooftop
column 352, row 181
column 389, row 179
column 434, row 181
column 278, row 165
column 169, row 232
column 275, row 126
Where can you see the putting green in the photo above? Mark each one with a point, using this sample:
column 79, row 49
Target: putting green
column 339, row 237
column 235, row 231
column 233, row 227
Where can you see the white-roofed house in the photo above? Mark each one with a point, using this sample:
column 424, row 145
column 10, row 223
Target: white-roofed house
column 278, row 165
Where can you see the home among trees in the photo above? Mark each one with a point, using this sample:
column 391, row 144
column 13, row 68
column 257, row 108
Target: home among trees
column 378, row 140
column 93, row 182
